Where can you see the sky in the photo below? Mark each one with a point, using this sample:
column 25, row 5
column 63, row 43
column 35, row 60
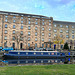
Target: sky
column 61, row 10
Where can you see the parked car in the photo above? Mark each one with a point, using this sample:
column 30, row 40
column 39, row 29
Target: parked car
column 1, row 48
column 7, row 49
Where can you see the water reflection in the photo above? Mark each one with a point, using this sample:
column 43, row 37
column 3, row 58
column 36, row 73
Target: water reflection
column 29, row 61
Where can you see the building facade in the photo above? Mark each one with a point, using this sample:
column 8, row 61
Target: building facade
column 66, row 30
column 27, row 30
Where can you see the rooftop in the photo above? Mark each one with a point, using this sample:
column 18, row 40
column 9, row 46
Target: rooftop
column 23, row 14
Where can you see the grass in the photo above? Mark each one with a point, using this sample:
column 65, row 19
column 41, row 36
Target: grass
column 68, row 69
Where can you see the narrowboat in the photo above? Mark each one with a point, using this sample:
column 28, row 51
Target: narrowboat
column 33, row 55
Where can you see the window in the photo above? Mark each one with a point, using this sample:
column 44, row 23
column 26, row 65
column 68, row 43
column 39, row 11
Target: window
column 28, row 44
column 72, row 36
column 35, row 28
column 13, row 26
column 49, row 20
column 61, row 26
column 42, row 45
column 49, row 34
column 29, row 27
column 28, row 18
column 43, row 28
column 55, row 35
column 28, row 38
column 13, row 45
column 72, row 26
column 72, row 31
column 13, row 37
column 61, row 31
column 5, row 38
column 49, row 24
column 14, row 21
column 67, row 26
column 21, row 32
column 55, row 30
column 36, row 19
column 67, row 36
column 35, row 33
column 35, row 44
column 42, row 34
column 49, row 39
column 21, row 17
column 6, row 20
column 13, row 31
column 6, row 16
column 61, row 36
column 28, row 22
column 36, row 22
column 49, row 29
column 21, row 21
column 5, row 31
column 28, row 33
column 67, row 31
column 55, row 25
column 21, row 27
column 43, row 20
column 35, row 39
column 42, row 39
column 14, row 16
column 42, row 23
column 5, row 44
column 5, row 25
column 21, row 38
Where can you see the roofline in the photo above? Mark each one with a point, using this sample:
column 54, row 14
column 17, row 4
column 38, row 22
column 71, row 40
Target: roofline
column 9, row 13
column 63, row 21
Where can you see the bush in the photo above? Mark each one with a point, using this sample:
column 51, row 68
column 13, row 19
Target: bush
column 66, row 46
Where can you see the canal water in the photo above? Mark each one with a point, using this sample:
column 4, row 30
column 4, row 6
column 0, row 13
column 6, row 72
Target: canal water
column 37, row 61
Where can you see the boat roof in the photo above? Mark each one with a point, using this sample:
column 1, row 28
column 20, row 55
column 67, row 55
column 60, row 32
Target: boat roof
column 30, row 51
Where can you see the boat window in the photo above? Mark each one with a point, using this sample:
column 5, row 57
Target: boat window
column 52, row 53
column 26, row 61
column 41, row 61
column 48, row 61
column 34, row 61
column 56, row 61
column 18, row 52
column 26, row 53
column 34, row 53
column 41, row 53
column 48, row 53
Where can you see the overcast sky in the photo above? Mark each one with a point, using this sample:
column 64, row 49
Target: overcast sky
column 63, row 10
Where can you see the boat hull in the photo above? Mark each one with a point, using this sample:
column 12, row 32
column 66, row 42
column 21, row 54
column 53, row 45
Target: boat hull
column 31, row 57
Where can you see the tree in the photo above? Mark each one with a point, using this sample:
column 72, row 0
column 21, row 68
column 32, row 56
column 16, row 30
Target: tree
column 58, row 40
column 66, row 46
column 18, row 37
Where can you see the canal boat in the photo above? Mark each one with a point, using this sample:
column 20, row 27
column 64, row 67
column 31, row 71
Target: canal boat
column 33, row 55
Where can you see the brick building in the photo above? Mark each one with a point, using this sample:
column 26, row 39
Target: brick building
column 35, row 30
